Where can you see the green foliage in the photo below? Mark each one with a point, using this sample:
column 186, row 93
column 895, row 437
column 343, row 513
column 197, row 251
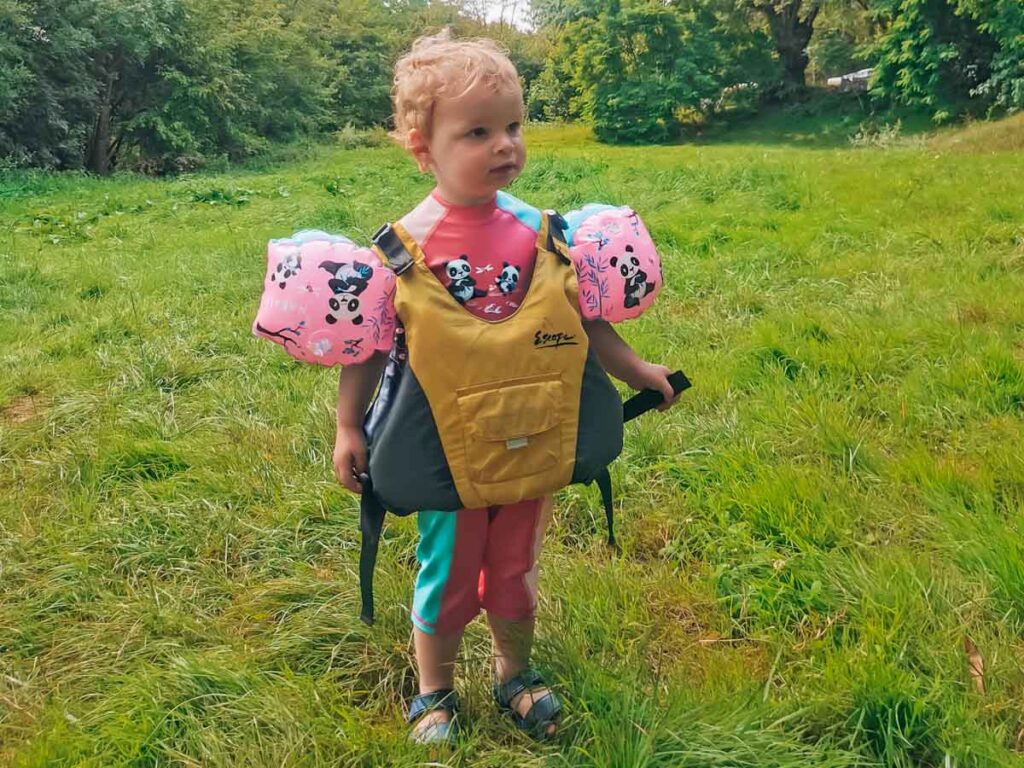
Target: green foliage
column 1003, row 21
column 156, row 84
column 175, row 84
column 629, row 67
column 942, row 53
column 255, row 79
column 636, row 67
column 841, row 32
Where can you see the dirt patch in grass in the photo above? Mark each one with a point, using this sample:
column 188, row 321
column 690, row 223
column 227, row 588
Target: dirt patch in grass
column 21, row 409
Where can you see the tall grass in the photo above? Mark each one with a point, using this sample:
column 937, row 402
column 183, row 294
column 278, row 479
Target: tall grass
column 806, row 539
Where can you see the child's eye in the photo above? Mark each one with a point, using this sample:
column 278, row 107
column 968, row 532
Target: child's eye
column 513, row 128
column 477, row 133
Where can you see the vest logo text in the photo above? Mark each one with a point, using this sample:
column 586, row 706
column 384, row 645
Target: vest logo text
column 543, row 340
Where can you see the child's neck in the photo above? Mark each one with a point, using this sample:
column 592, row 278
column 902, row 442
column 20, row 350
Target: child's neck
column 463, row 202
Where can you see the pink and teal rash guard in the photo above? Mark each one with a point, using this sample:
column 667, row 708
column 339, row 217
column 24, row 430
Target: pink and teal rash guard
column 484, row 254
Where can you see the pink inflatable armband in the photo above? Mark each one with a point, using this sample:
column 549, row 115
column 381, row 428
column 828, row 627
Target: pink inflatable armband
column 326, row 300
column 617, row 266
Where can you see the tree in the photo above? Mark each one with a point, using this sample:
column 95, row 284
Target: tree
column 791, row 23
column 842, row 32
column 947, row 55
column 124, row 35
column 637, row 65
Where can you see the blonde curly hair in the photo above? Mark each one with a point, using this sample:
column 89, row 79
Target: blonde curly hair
column 439, row 66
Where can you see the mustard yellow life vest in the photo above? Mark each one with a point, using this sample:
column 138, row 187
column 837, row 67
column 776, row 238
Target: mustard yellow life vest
column 475, row 413
column 504, row 394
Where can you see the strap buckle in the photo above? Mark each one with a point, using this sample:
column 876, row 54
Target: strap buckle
column 390, row 244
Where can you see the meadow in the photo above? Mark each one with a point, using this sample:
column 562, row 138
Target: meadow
column 822, row 545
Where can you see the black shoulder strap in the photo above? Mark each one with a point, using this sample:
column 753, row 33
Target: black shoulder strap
column 390, row 244
column 556, row 234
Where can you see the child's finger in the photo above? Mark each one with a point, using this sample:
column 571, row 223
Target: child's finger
column 666, row 391
column 359, row 462
column 670, row 395
column 346, row 472
column 352, row 482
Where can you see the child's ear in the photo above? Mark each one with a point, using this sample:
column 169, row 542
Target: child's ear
column 419, row 148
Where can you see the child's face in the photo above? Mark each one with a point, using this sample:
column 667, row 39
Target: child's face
column 476, row 144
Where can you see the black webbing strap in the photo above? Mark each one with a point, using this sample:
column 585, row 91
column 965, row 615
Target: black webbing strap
column 371, row 521
column 637, row 405
column 646, row 399
column 556, row 234
column 604, row 484
column 390, row 244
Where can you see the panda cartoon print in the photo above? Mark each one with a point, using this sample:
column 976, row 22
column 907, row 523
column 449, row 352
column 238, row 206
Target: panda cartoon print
column 344, row 309
column 287, row 267
column 347, row 282
column 347, row 278
column 508, row 279
column 637, row 285
column 461, row 284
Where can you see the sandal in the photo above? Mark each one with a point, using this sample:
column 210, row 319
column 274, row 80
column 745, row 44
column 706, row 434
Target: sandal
column 544, row 711
column 436, row 733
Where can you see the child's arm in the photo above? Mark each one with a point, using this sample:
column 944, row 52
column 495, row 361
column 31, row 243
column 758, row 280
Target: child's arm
column 619, row 359
column 355, row 388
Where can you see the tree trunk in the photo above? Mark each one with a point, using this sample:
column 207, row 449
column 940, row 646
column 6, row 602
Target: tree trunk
column 98, row 156
column 791, row 34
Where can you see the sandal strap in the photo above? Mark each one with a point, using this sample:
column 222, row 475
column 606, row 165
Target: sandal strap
column 524, row 681
column 445, row 698
column 543, row 710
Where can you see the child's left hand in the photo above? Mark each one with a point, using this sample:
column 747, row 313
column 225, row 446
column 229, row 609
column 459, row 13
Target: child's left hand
column 647, row 375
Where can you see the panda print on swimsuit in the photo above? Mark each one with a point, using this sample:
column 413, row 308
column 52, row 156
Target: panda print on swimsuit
column 461, row 284
column 508, row 279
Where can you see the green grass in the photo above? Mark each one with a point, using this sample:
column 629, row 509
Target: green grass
column 807, row 538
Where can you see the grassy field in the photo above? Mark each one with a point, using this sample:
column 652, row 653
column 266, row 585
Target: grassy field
column 823, row 544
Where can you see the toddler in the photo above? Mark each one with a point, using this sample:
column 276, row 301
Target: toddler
column 459, row 113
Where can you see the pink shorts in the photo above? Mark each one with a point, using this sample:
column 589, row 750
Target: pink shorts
column 478, row 558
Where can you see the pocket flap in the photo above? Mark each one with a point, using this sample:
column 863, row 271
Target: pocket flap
column 513, row 410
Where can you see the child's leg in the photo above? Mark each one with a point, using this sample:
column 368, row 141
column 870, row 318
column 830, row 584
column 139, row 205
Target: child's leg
column 509, row 590
column 446, row 598
column 513, row 642
column 435, row 659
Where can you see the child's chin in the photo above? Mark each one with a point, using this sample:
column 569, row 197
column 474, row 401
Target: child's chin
column 505, row 180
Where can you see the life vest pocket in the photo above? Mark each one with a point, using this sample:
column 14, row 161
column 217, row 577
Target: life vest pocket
column 512, row 428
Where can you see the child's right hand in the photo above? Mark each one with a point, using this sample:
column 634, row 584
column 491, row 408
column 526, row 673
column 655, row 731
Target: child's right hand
column 350, row 457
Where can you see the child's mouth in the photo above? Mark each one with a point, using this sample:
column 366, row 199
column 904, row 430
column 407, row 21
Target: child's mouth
column 507, row 168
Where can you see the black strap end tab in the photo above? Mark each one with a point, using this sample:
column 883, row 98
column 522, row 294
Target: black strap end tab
column 643, row 401
column 390, row 244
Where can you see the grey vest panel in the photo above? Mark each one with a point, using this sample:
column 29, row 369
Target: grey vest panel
column 599, row 437
column 407, row 461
